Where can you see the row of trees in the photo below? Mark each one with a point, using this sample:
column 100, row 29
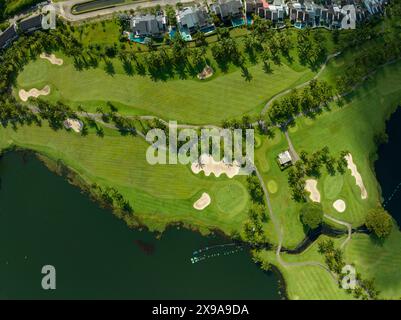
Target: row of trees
column 312, row 215
column 310, row 166
column 375, row 48
column 311, row 48
column 55, row 114
column 334, row 259
column 316, row 95
column 112, row 198
column 253, row 229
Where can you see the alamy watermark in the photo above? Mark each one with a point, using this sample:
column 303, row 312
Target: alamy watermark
column 49, row 280
column 349, row 280
column 185, row 145
column 48, row 17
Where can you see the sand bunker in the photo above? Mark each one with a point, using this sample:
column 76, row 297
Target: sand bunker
column 52, row 58
column 356, row 175
column 202, row 202
column 207, row 164
column 311, row 187
column 339, row 205
column 34, row 93
column 73, row 124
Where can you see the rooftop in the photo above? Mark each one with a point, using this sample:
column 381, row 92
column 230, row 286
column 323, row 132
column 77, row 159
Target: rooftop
column 31, row 23
column 7, row 36
column 284, row 158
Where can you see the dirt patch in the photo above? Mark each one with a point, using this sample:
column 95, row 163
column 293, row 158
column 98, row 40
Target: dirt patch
column 73, row 124
column 52, row 58
column 33, row 93
column 207, row 164
column 311, row 187
column 202, row 202
column 355, row 173
column 207, row 72
column 339, row 205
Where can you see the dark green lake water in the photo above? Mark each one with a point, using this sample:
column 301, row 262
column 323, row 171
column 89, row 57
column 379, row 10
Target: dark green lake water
column 388, row 169
column 46, row 221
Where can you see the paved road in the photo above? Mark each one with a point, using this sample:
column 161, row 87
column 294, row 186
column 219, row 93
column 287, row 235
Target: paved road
column 346, row 224
column 64, row 8
column 293, row 152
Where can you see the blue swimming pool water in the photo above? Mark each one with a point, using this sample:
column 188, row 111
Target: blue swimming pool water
column 186, row 35
column 208, row 29
column 299, row 25
column 249, row 20
column 136, row 39
column 237, row 22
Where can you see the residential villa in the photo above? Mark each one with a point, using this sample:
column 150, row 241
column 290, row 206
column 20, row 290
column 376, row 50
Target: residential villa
column 31, row 24
column 301, row 14
column 148, row 26
column 192, row 19
column 228, row 11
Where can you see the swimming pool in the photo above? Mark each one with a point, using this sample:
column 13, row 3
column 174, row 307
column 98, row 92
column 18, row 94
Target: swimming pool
column 186, row 35
column 136, row 39
column 237, row 22
column 299, row 25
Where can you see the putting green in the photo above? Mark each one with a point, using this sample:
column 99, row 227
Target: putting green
column 264, row 164
column 272, row 186
column 332, row 186
column 231, row 198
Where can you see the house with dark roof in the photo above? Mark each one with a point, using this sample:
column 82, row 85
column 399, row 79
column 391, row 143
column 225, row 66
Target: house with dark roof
column 148, row 26
column 8, row 36
column 31, row 24
column 228, row 9
column 253, row 6
column 193, row 19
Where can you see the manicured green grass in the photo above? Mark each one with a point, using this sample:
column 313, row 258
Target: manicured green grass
column 380, row 261
column 372, row 259
column 332, row 186
column 308, row 282
column 159, row 194
column 272, row 186
column 105, row 32
column 231, row 198
column 283, row 206
column 186, row 100
column 352, row 128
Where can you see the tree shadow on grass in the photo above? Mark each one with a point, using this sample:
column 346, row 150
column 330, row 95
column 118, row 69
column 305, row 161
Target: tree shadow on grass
column 128, row 68
column 109, row 68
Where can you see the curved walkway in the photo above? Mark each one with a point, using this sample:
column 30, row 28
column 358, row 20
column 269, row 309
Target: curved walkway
column 283, row 93
column 346, row 224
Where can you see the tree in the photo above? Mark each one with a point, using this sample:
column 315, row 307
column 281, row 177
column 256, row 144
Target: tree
column 379, row 222
column 312, row 214
column 200, row 39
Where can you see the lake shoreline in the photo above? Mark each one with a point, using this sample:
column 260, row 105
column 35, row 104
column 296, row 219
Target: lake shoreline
column 50, row 218
column 388, row 174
